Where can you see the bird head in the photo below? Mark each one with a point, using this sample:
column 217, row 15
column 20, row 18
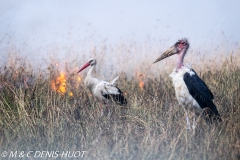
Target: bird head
column 180, row 46
column 91, row 62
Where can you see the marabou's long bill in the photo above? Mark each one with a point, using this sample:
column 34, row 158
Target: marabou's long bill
column 83, row 67
column 171, row 51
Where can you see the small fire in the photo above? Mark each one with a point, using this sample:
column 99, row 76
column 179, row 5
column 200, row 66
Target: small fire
column 70, row 94
column 141, row 85
column 140, row 77
column 59, row 84
column 79, row 79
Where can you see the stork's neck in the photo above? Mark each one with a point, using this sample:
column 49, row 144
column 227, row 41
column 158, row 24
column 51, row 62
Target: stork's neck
column 90, row 80
column 180, row 59
column 90, row 72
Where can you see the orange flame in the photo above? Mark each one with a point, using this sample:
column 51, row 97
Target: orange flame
column 70, row 94
column 141, row 85
column 59, row 84
column 79, row 79
column 140, row 77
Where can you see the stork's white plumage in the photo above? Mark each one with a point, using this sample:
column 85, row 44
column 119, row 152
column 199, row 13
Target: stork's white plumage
column 102, row 90
column 191, row 92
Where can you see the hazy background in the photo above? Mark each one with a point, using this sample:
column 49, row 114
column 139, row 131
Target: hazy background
column 122, row 35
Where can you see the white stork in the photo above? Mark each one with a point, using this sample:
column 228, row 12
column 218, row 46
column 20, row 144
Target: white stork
column 104, row 91
column 191, row 92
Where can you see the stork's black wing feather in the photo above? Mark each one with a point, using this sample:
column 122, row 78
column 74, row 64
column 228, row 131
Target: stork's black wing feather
column 119, row 98
column 212, row 97
column 200, row 92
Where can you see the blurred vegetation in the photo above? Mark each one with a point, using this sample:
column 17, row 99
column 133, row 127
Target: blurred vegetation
column 37, row 115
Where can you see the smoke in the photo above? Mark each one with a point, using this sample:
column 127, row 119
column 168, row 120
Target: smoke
column 122, row 36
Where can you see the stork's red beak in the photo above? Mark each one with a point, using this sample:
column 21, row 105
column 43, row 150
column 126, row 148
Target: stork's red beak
column 83, row 67
column 171, row 51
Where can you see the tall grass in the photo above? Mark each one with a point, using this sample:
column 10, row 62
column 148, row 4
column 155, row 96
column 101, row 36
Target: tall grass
column 152, row 126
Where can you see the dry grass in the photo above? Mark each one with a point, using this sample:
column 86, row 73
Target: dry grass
column 152, row 126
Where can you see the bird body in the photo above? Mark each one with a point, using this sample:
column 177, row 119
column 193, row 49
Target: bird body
column 102, row 90
column 106, row 92
column 184, row 98
column 191, row 92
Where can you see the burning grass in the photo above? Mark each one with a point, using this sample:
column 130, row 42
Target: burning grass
column 59, row 84
column 57, row 113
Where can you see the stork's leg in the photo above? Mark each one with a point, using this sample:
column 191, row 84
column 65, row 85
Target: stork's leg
column 109, row 111
column 188, row 120
column 101, row 109
column 194, row 122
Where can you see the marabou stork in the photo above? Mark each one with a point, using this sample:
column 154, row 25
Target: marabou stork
column 104, row 91
column 191, row 92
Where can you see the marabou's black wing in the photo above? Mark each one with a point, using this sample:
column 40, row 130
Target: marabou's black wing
column 201, row 93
